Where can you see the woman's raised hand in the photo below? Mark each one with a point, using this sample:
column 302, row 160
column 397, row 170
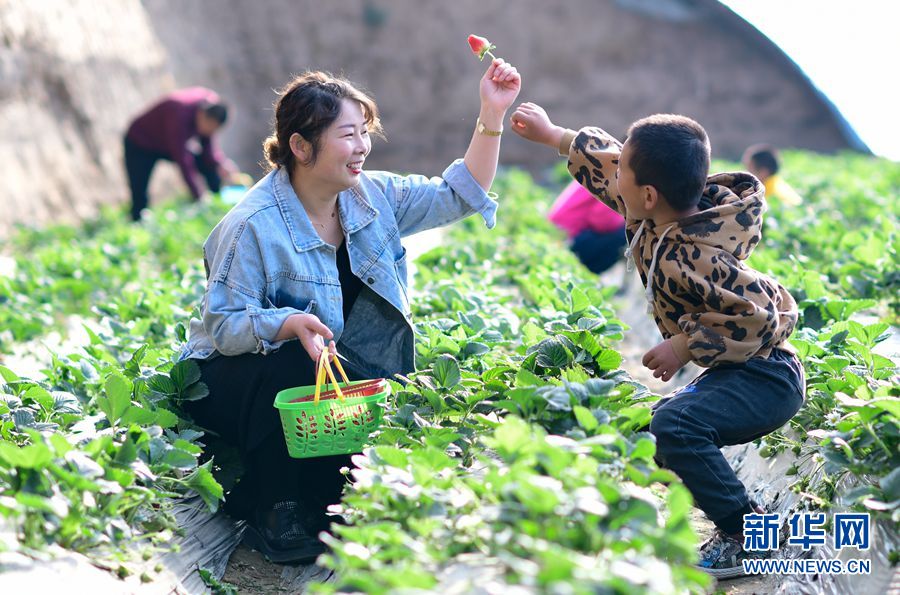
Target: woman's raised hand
column 531, row 122
column 500, row 86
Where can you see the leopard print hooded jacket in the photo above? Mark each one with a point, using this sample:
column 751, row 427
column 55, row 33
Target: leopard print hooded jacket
column 704, row 297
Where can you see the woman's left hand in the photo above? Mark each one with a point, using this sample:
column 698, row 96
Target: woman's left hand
column 500, row 86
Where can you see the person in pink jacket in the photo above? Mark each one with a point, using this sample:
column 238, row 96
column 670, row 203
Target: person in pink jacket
column 596, row 232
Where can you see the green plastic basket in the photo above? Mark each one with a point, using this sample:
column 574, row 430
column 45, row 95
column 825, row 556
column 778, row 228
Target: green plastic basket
column 331, row 426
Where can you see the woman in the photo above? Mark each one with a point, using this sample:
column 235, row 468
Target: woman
column 312, row 254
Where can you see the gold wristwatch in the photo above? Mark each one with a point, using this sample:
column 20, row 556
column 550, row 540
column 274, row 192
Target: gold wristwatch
column 482, row 129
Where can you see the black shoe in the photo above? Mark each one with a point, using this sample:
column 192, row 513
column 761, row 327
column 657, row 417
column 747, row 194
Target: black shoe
column 285, row 533
column 723, row 556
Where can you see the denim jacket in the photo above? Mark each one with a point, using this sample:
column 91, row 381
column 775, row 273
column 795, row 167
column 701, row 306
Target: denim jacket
column 265, row 262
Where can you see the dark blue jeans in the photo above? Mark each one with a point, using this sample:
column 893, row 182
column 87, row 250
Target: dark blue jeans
column 725, row 405
column 599, row 251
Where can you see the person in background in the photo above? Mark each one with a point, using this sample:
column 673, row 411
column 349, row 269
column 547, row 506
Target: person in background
column 596, row 232
column 180, row 127
column 764, row 162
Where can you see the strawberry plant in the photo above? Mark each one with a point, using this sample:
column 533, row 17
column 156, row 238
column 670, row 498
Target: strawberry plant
column 513, row 457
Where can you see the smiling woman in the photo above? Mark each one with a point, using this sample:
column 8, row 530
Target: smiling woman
column 312, row 254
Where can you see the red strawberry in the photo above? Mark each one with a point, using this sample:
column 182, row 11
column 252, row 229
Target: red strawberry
column 481, row 46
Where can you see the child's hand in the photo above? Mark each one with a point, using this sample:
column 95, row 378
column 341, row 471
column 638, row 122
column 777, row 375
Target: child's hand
column 499, row 87
column 531, row 122
column 663, row 361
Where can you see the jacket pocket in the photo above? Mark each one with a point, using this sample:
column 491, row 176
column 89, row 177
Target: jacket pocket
column 307, row 306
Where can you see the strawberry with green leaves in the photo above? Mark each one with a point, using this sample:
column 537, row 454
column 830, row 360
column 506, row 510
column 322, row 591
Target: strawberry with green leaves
column 481, row 46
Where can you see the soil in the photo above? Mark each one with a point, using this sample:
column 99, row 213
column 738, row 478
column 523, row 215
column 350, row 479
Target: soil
column 251, row 573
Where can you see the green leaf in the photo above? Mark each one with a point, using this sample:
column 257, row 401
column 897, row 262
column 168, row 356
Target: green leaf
column 679, row 503
column 178, row 459
column 805, row 349
column 474, row 348
column 201, row 480
column 54, row 506
column 891, row 405
column 514, row 437
column 874, row 331
column 23, row 418
column 585, row 418
column 392, row 456
column 532, row 334
column 8, row 375
column 663, row 476
column 644, row 449
column 496, row 373
column 446, row 371
column 813, row 285
column 32, row 456
column 890, row 484
column 64, row 402
column 133, row 365
column 196, row 392
column 527, row 378
column 185, row 373
column 587, row 341
column 871, row 251
column 139, row 416
column 609, row 359
column 163, row 385
column 118, row 397
column 580, row 300
column 41, row 396
column 575, row 374
column 166, row 418
column 588, row 324
column 551, row 353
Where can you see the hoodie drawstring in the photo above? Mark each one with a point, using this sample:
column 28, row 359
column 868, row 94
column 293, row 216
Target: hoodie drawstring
column 629, row 261
column 629, row 251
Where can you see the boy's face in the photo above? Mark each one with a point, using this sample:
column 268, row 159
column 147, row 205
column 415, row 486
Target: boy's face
column 632, row 194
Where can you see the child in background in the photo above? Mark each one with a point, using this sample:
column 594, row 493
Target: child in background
column 596, row 232
column 689, row 237
column 764, row 162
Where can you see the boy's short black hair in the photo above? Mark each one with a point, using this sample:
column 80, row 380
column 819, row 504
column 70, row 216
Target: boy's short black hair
column 218, row 111
column 763, row 156
column 670, row 153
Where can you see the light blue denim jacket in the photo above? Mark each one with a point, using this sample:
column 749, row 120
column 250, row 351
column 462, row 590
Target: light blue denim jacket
column 265, row 262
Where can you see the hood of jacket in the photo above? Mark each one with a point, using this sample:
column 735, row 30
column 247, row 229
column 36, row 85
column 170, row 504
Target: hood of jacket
column 731, row 215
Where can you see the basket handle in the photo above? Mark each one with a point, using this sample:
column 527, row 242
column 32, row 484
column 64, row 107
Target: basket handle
column 323, row 367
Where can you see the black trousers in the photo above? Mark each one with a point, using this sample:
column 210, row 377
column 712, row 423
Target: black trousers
column 139, row 164
column 599, row 251
column 239, row 408
column 725, row 405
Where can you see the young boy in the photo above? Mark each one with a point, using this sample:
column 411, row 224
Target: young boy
column 689, row 236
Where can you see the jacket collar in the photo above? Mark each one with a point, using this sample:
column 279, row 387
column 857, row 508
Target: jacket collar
column 356, row 212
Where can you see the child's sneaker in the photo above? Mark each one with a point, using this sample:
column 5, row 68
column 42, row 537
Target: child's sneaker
column 722, row 556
